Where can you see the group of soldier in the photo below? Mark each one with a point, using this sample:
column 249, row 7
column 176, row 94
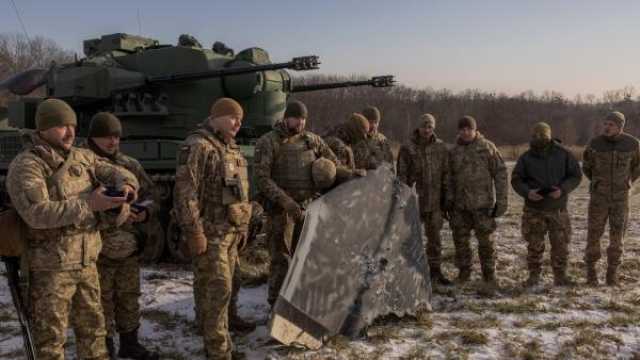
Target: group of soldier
column 467, row 185
column 82, row 207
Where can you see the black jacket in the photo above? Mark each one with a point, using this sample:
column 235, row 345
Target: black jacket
column 537, row 169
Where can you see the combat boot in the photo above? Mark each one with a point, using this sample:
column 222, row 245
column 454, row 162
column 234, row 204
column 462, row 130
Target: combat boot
column 612, row 276
column 560, row 278
column 237, row 324
column 111, row 348
column 533, row 280
column 592, row 275
column 438, row 277
column 130, row 348
column 464, row 275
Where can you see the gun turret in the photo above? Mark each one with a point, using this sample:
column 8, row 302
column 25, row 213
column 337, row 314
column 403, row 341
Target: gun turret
column 302, row 63
column 376, row 81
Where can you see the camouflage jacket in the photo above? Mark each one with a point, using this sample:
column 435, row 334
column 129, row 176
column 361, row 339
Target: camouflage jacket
column 266, row 155
column 612, row 165
column 211, row 181
column 50, row 192
column 478, row 176
column 340, row 142
column 121, row 242
column 372, row 152
column 425, row 163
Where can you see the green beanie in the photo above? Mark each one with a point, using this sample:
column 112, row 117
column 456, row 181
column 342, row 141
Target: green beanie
column 372, row 113
column 104, row 124
column 617, row 117
column 542, row 130
column 54, row 112
column 297, row 109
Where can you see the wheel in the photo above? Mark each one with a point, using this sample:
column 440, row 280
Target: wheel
column 175, row 245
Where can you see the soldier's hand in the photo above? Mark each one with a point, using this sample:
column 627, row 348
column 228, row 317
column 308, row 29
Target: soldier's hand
column 98, row 201
column 534, row 196
column 197, row 244
column 360, row 172
column 556, row 193
column 292, row 208
column 130, row 194
column 137, row 217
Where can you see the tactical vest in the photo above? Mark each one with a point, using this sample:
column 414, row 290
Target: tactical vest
column 69, row 247
column 292, row 167
column 224, row 200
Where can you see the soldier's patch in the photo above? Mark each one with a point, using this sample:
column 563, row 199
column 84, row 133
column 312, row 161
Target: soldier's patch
column 183, row 154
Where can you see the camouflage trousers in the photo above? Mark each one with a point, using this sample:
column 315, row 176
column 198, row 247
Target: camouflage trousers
column 481, row 222
column 120, row 286
column 213, row 273
column 599, row 211
column 56, row 297
column 538, row 223
column 432, row 222
column 283, row 239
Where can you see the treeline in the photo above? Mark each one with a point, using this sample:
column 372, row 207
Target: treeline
column 504, row 119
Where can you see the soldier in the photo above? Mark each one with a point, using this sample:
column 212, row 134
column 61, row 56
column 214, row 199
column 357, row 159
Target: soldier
column 612, row 162
column 343, row 137
column 544, row 176
column 476, row 196
column 288, row 161
column 211, row 202
column 375, row 150
column 54, row 187
column 119, row 263
column 424, row 162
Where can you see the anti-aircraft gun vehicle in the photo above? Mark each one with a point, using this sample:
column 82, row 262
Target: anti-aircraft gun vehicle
column 161, row 93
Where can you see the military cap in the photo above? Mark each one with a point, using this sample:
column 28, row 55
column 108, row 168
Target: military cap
column 105, row 124
column 467, row 121
column 53, row 113
column 372, row 113
column 297, row 109
column 617, row 117
column 542, row 130
column 226, row 106
column 428, row 120
column 323, row 172
column 358, row 123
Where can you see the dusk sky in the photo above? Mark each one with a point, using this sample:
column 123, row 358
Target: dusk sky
column 504, row 46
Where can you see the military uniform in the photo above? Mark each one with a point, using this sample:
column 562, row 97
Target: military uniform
column 211, row 199
column 612, row 165
column 283, row 165
column 375, row 149
column 546, row 165
column 343, row 137
column 49, row 188
column 477, row 194
column 424, row 162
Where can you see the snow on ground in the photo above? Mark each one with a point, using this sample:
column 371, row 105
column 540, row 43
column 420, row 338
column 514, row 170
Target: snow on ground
column 467, row 322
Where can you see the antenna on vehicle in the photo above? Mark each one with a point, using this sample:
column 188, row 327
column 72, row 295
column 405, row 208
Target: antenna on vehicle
column 24, row 28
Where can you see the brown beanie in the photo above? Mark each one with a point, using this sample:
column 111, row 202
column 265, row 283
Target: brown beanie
column 54, row 112
column 428, row 120
column 358, row 123
column 104, row 124
column 226, row 106
column 372, row 113
column 467, row 121
column 617, row 117
column 296, row 109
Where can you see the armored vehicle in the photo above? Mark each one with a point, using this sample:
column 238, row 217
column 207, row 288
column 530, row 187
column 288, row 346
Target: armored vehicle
column 161, row 93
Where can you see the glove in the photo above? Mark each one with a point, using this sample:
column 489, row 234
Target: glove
column 197, row 244
column 360, row 172
column 499, row 209
column 292, row 208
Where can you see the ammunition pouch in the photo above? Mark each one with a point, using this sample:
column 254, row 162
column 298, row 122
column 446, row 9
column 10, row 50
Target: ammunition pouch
column 13, row 240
